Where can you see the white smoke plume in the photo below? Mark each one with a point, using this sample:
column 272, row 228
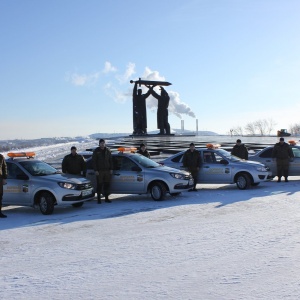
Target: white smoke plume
column 176, row 106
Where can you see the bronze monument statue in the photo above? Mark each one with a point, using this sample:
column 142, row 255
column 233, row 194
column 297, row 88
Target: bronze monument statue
column 139, row 107
column 162, row 111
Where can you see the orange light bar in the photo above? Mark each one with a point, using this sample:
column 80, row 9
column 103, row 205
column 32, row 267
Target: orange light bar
column 21, row 154
column 123, row 149
column 212, row 146
column 292, row 142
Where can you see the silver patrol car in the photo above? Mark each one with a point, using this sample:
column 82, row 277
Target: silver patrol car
column 137, row 174
column 219, row 166
column 264, row 156
column 32, row 182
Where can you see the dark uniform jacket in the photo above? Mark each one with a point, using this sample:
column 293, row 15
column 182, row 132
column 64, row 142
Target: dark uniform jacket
column 145, row 153
column 191, row 160
column 240, row 151
column 3, row 167
column 102, row 159
column 283, row 151
column 74, row 164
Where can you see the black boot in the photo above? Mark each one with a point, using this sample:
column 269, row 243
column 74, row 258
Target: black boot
column 2, row 215
column 107, row 200
column 99, row 198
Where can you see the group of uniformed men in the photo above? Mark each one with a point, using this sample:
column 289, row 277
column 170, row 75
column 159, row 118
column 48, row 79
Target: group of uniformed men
column 75, row 164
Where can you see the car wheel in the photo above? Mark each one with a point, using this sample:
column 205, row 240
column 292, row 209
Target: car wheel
column 255, row 183
column 243, row 181
column 46, row 203
column 79, row 204
column 175, row 194
column 158, row 191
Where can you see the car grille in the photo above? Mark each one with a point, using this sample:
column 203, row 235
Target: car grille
column 84, row 186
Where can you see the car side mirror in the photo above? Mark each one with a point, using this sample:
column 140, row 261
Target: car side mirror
column 136, row 169
column 223, row 162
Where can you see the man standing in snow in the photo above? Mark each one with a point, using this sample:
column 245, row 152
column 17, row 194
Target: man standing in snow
column 143, row 150
column 240, row 150
column 282, row 152
column 3, row 177
column 103, row 167
column 191, row 161
column 74, row 163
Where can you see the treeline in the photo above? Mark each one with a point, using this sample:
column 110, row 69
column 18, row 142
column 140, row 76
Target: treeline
column 260, row 127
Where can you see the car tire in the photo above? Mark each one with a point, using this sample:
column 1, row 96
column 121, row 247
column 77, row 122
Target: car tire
column 158, row 191
column 46, row 203
column 255, row 183
column 175, row 194
column 78, row 204
column 243, row 181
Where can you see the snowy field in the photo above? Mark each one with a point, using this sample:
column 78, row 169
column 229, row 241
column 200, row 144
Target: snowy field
column 216, row 243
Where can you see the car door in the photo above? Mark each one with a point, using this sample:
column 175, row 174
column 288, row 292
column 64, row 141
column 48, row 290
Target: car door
column 265, row 157
column 17, row 189
column 214, row 169
column 294, row 168
column 128, row 177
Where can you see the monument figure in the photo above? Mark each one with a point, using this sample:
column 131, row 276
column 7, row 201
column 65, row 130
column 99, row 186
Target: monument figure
column 139, row 110
column 162, row 111
column 139, row 106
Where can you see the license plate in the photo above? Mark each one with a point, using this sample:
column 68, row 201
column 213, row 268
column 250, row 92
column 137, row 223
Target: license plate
column 87, row 192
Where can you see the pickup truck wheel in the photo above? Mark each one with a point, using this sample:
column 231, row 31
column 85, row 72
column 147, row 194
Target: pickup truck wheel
column 243, row 181
column 46, row 203
column 158, row 191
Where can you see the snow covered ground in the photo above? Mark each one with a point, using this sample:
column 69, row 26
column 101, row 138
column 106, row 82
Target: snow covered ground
column 216, row 243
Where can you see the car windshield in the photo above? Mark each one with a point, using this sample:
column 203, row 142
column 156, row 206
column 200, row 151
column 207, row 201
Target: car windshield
column 38, row 168
column 144, row 161
column 228, row 155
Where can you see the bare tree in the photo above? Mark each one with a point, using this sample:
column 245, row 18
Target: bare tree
column 261, row 126
column 270, row 125
column 295, row 129
column 250, row 128
column 237, row 130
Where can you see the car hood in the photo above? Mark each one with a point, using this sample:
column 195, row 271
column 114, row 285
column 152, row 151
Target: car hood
column 250, row 162
column 66, row 177
column 171, row 170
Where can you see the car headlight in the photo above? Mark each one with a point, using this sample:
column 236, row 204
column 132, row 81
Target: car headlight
column 177, row 175
column 261, row 169
column 67, row 185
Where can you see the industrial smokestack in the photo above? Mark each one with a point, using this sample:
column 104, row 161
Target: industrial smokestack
column 182, row 126
column 196, row 126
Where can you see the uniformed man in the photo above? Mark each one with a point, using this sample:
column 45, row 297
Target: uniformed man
column 3, row 177
column 192, row 161
column 143, row 151
column 74, row 163
column 240, row 150
column 282, row 152
column 103, row 167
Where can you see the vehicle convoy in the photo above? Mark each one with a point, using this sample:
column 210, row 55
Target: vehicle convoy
column 134, row 173
column 219, row 166
column 264, row 156
column 31, row 182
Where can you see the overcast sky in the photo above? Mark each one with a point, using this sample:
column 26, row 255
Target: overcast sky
column 66, row 65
